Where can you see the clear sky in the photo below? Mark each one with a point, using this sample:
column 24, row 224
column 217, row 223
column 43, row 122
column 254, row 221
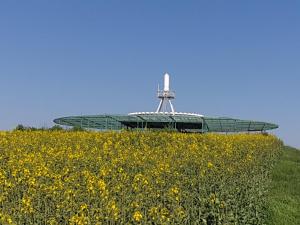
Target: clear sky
column 225, row 58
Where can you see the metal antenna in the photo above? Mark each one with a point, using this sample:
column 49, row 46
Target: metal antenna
column 165, row 96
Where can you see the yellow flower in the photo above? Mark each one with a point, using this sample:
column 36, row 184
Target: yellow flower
column 101, row 185
column 27, row 205
column 83, row 207
column 137, row 216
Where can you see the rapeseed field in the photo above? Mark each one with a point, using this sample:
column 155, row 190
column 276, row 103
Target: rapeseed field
column 64, row 177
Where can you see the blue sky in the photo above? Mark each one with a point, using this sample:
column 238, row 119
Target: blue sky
column 225, row 58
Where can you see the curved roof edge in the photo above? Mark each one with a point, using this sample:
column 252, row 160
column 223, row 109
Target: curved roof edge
column 180, row 121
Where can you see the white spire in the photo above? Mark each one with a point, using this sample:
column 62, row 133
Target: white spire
column 166, row 82
column 165, row 97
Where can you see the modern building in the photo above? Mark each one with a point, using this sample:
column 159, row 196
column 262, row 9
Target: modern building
column 165, row 117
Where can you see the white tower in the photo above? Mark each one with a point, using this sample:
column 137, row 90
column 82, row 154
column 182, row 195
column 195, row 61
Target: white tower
column 165, row 96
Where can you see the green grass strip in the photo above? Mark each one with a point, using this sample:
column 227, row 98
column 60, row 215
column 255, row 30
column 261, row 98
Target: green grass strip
column 284, row 197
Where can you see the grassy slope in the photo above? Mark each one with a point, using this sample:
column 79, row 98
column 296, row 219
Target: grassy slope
column 284, row 197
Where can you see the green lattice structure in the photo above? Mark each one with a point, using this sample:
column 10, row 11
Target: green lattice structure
column 179, row 122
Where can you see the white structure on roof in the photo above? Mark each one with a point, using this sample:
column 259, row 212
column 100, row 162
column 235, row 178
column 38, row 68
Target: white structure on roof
column 165, row 96
column 165, row 103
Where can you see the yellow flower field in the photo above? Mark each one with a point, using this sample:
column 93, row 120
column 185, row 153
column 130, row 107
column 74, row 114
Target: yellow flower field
column 134, row 177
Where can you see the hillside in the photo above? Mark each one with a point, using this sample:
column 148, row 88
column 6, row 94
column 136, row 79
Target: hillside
column 284, row 197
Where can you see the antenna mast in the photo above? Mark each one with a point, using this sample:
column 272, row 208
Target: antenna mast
column 165, row 96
